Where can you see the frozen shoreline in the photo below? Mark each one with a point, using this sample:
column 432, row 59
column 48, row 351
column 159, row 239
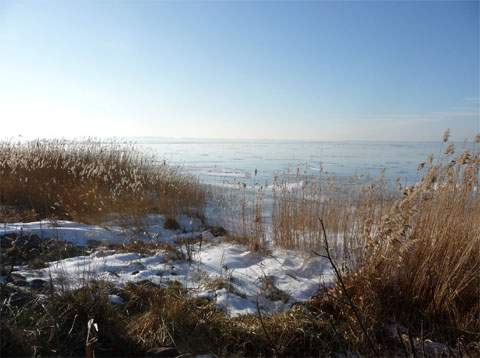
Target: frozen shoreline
column 217, row 269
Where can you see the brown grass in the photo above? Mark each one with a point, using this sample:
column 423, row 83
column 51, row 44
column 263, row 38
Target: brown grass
column 409, row 258
column 349, row 212
column 422, row 262
column 197, row 326
column 57, row 324
column 89, row 181
column 286, row 215
column 242, row 212
column 151, row 318
column 408, row 255
column 419, row 266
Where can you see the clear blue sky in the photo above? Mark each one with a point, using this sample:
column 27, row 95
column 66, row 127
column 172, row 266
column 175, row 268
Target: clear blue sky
column 313, row 70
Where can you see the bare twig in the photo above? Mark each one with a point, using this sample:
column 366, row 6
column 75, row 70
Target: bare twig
column 345, row 291
column 260, row 317
column 73, row 324
column 91, row 339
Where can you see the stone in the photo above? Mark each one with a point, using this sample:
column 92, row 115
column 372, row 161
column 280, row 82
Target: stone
column 37, row 284
column 218, row 231
column 19, row 298
column 18, row 280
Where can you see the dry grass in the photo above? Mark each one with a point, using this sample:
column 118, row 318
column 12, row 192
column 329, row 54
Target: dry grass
column 151, row 318
column 242, row 211
column 419, row 266
column 88, row 182
column 56, row 325
column 349, row 212
column 408, row 255
column 197, row 326
column 409, row 258
column 285, row 214
column 424, row 255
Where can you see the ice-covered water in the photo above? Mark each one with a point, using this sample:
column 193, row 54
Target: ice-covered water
column 226, row 161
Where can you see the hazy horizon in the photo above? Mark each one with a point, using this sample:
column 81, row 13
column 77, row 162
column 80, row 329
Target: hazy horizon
column 138, row 139
column 312, row 71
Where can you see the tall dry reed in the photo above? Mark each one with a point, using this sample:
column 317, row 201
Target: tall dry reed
column 418, row 265
column 408, row 254
column 425, row 253
column 89, row 181
column 348, row 210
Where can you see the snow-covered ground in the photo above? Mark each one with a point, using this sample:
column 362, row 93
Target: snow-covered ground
column 227, row 272
column 110, row 233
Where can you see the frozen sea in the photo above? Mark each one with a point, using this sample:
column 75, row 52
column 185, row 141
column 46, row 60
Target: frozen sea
column 227, row 161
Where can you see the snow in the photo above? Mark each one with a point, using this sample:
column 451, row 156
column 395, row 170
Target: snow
column 110, row 233
column 223, row 172
column 234, row 304
column 73, row 232
column 220, row 270
column 287, row 186
column 116, row 300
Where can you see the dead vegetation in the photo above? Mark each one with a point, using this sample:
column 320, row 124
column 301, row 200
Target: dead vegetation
column 350, row 214
column 407, row 255
column 57, row 324
column 89, row 182
column 32, row 250
column 407, row 282
column 419, row 266
column 154, row 319
column 285, row 213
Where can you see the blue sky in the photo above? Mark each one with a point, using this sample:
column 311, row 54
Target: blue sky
column 280, row 70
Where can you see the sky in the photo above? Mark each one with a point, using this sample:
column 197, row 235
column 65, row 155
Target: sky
column 271, row 70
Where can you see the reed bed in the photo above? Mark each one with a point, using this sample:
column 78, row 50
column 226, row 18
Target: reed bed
column 286, row 212
column 407, row 254
column 422, row 265
column 89, row 181
column 347, row 212
column 407, row 261
column 243, row 210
